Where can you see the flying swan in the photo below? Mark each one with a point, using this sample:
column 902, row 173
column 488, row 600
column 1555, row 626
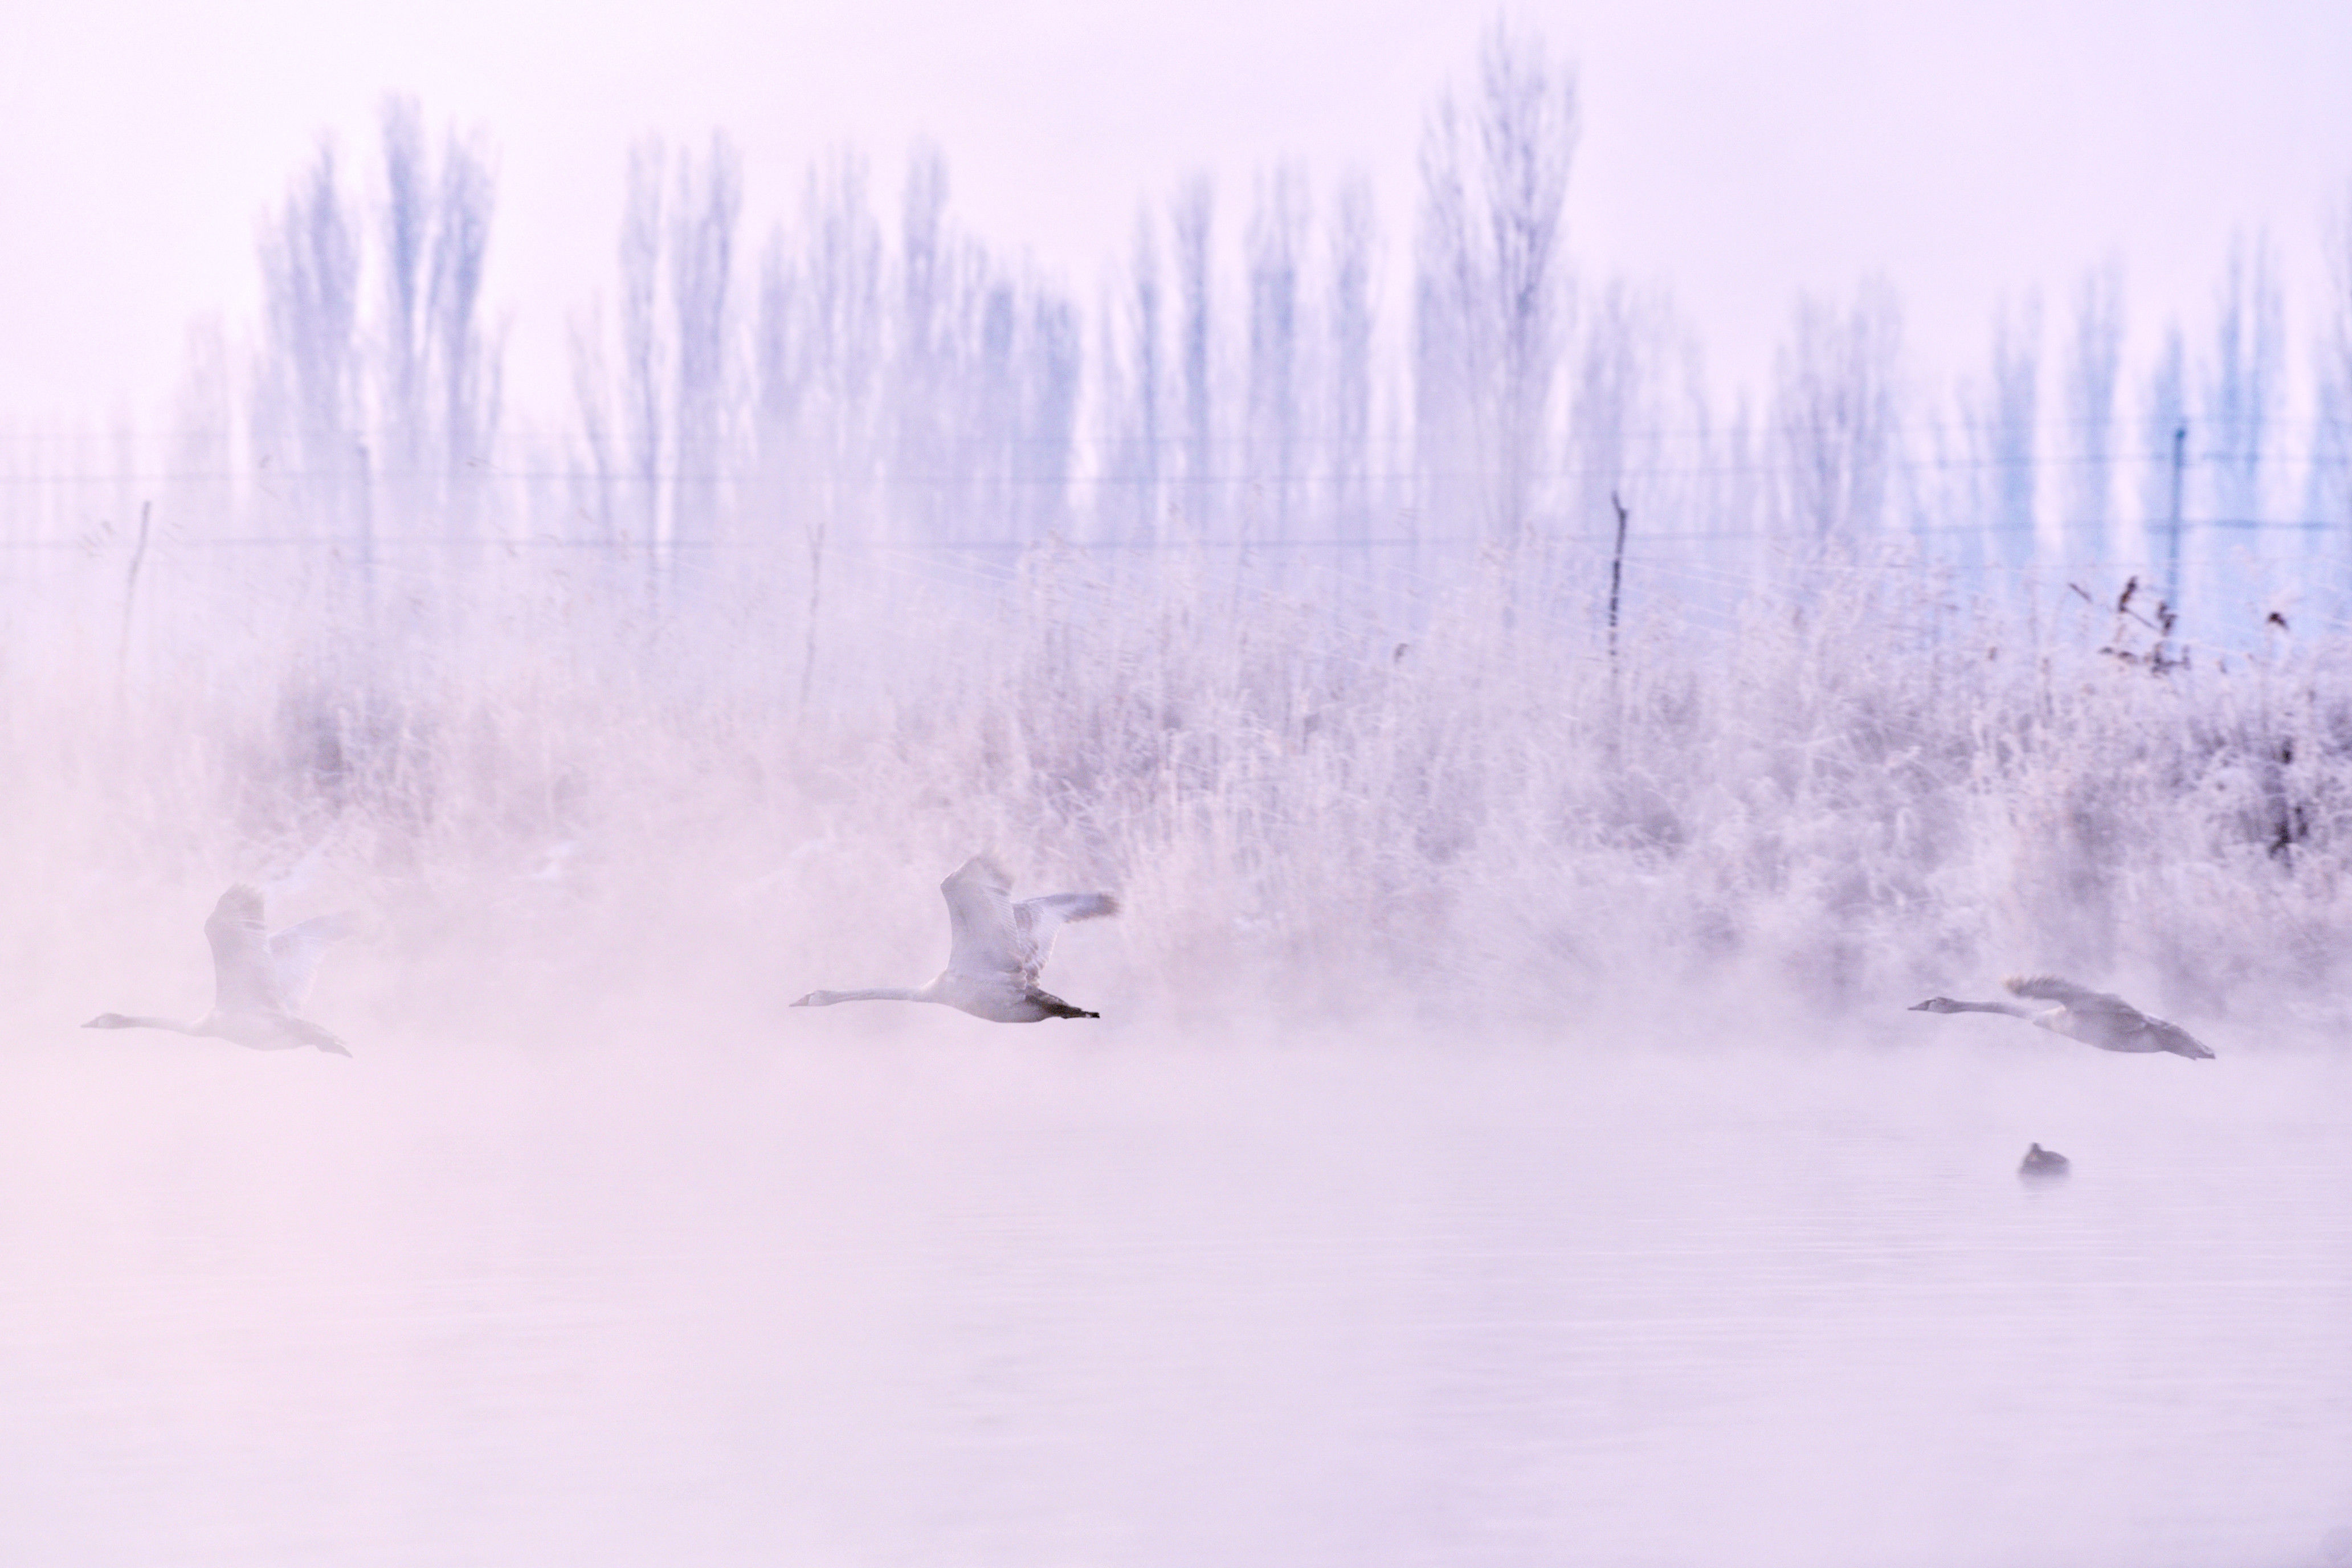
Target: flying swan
column 2093, row 1017
column 258, row 979
column 996, row 949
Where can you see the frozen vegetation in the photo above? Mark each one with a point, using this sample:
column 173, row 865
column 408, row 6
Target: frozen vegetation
column 1848, row 798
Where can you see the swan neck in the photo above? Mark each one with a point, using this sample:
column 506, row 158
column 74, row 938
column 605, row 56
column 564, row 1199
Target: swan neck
column 177, row 1026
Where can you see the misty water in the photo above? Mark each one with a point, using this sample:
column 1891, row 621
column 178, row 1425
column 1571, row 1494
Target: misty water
column 919, row 1289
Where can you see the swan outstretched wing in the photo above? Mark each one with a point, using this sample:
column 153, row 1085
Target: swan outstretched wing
column 2076, row 998
column 982, row 938
column 296, row 950
column 992, row 935
column 1037, row 920
column 245, row 977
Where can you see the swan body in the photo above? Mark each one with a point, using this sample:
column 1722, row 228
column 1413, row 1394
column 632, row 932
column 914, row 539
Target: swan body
column 2093, row 1017
column 996, row 947
column 259, row 979
column 2041, row 1162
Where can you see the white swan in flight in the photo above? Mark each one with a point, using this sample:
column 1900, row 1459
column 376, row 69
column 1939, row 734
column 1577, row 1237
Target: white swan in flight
column 2093, row 1017
column 258, row 979
column 996, row 949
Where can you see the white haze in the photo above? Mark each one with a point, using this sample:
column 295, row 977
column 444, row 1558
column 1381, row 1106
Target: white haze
column 1504, row 1141
column 1737, row 156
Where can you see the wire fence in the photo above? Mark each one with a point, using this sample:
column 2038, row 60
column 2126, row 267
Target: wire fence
column 1377, row 540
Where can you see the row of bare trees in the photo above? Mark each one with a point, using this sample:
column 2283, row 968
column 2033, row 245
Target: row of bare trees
column 878, row 376
column 392, row 412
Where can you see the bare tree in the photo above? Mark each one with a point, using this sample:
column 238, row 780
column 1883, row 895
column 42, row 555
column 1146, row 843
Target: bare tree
column 407, row 224
column 995, row 415
column 1453, row 421
column 1277, row 235
column 1527, row 130
column 2163, row 425
column 1354, row 236
column 1192, row 217
column 776, row 371
column 2242, row 388
column 702, row 248
column 1490, row 294
column 2328, row 490
column 2005, row 434
column 642, row 354
column 436, row 379
column 1142, row 466
column 1056, row 358
column 840, row 320
column 592, row 502
column 922, row 437
column 2093, row 366
column 1833, row 419
column 781, row 378
column 819, row 359
column 309, row 424
column 464, row 362
column 1606, row 404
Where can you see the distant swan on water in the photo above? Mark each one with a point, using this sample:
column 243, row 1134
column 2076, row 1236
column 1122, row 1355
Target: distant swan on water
column 2041, row 1162
column 996, row 949
column 258, row 979
column 2093, row 1017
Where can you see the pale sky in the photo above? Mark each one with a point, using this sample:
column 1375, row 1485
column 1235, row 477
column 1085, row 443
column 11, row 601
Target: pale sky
column 1735, row 153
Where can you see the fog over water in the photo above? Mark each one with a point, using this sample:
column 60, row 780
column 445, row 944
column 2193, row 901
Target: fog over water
column 1534, row 786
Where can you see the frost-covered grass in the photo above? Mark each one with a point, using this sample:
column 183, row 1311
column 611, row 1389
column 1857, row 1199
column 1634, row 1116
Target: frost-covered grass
column 1452, row 805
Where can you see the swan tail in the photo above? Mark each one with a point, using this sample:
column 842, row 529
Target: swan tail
column 2182, row 1043
column 310, row 1033
column 1052, row 1007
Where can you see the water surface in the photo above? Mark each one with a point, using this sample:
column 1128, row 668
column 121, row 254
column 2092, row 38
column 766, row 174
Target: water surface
column 936, row 1292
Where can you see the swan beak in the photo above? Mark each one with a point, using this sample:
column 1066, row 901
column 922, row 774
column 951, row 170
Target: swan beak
column 1917, row 1008
column 803, row 1001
